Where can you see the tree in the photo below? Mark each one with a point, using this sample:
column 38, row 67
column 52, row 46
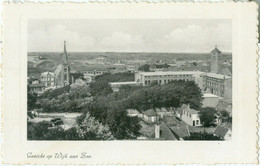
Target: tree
column 91, row 129
column 202, row 136
column 79, row 89
column 145, row 68
column 208, row 116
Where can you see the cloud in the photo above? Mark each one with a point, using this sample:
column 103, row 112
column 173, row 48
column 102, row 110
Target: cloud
column 51, row 39
column 196, row 38
column 122, row 42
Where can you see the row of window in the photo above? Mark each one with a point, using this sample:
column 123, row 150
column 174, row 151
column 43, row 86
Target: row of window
column 187, row 113
column 165, row 76
column 147, row 82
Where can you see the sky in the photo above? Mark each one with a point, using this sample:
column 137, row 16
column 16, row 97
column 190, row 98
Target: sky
column 130, row 35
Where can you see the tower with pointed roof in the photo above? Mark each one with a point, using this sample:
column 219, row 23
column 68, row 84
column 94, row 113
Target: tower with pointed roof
column 62, row 73
column 215, row 60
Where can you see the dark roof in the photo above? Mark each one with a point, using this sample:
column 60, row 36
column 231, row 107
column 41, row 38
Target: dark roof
column 220, row 131
column 181, row 131
column 150, row 112
column 216, row 50
column 165, row 133
column 37, row 85
column 222, row 105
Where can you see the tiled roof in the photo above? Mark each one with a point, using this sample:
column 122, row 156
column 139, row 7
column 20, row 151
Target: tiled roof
column 150, row 112
column 181, row 131
column 58, row 69
column 165, row 133
column 222, row 106
column 220, row 131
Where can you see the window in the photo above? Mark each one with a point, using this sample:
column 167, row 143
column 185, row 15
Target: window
column 197, row 122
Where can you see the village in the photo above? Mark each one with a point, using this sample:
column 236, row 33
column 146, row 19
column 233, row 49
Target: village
column 214, row 80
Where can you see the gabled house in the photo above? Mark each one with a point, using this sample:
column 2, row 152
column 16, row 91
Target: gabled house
column 191, row 117
column 150, row 116
column 179, row 111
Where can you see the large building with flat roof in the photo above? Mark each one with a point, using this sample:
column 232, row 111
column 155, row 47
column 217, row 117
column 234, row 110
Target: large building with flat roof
column 218, row 84
column 146, row 78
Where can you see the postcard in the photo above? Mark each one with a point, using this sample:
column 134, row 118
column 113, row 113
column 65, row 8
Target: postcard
column 129, row 83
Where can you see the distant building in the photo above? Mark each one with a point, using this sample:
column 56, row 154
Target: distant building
column 161, row 78
column 223, row 132
column 48, row 78
column 191, row 116
column 210, row 100
column 62, row 73
column 116, row 85
column 220, row 85
column 179, row 111
column 31, row 80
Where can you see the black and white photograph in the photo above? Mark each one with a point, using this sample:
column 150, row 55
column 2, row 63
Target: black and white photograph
column 129, row 79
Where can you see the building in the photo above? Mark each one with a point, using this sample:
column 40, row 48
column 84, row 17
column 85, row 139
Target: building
column 218, row 84
column 38, row 88
column 62, row 73
column 191, row 117
column 180, row 131
column 223, row 132
column 116, row 85
column 48, row 78
column 150, row 116
column 161, row 77
column 215, row 61
column 210, row 100
column 31, row 80
column 179, row 111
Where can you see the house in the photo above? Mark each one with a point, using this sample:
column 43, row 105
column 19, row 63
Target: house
column 210, row 100
column 31, row 80
column 162, row 132
column 223, row 132
column 191, row 117
column 180, row 110
column 48, row 78
column 37, row 88
column 150, row 116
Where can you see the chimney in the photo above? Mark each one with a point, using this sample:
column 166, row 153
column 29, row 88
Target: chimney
column 157, row 130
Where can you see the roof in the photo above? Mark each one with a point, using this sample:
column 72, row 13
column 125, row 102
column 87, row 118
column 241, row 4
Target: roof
column 226, row 71
column 124, row 83
column 222, row 106
column 37, row 85
column 209, row 95
column 58, row 69
column 165, row 133
column 216, row 50
column 220, row 131
column 219, row 76
column 191, row 111
column 181, row 131
column 150, row 112
column 132, row 111
column 171, row 73
column 47, row 72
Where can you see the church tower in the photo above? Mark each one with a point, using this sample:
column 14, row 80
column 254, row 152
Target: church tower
column 66, row 66
column 215, row 61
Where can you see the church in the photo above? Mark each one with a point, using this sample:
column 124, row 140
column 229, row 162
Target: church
column 62, row 73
